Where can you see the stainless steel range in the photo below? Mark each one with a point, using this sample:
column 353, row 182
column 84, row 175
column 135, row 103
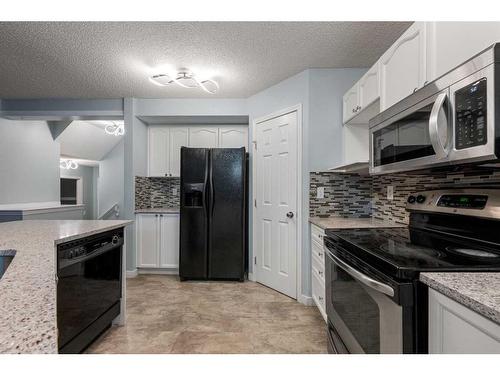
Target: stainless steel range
column 374, row 300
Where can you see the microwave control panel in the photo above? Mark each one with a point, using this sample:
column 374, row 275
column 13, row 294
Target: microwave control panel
column 470, row 115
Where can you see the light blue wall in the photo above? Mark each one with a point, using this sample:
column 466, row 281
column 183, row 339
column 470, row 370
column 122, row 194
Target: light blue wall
column 29, row 163
column 110, row 182
column 326, row 89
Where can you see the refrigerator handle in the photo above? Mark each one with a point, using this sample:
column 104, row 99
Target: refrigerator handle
column 205, row 187
column 212, row 189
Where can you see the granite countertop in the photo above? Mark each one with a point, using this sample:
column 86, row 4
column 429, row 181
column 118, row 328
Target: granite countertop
column 479, row 291
column 352, row 223
column 161, row 210
column 28, row 322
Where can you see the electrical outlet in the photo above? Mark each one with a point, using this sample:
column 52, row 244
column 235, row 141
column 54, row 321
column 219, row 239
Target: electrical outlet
column 390, row 192
column 174, row 191
column 320, row 192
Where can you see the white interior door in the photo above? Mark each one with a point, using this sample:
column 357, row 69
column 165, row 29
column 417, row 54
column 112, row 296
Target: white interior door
column 275, row 238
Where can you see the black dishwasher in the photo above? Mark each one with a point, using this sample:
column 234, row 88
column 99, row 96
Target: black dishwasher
column 89, row 286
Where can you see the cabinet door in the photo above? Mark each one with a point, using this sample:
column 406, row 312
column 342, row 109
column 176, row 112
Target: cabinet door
column 147, row 241
column 452, row 43
column 233, row 136
column 169, row 241
column 455, row 329
column 350, row 103
column 157, row 151
column 403, row 66
column 204, row 137
column 178, row 137
column 368, row 87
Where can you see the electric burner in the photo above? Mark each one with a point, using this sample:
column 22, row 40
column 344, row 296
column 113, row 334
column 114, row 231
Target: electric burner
column 474, row 253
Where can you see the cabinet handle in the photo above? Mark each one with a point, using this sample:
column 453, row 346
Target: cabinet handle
column 354, row 110
column 320, row 273
column 320, row 236
column 156, row 215
column 320, row 255
column 166, row 174
column 320, row 298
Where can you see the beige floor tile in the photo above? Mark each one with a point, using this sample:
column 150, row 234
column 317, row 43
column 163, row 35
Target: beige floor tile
column 167, row 316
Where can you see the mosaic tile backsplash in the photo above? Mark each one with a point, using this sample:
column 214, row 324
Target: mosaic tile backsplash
column 156, row 192
column 356, row 196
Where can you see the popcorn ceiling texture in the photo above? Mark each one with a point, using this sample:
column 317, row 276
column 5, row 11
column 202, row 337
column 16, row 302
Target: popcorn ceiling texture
column 364, row 196
column 156, row 192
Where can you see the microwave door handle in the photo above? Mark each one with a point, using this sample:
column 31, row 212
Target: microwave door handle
column 436, row 143
column 368, row 281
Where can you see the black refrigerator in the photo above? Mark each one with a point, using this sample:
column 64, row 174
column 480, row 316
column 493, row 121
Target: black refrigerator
column 213, row 214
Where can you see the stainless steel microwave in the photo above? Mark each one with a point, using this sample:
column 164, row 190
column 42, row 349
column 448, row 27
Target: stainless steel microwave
column 452, row 120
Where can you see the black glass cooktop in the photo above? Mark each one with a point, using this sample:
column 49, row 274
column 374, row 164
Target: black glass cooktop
column 404, row 253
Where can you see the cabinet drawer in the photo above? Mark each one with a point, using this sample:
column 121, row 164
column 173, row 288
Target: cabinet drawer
column 318, row 270
column 318, row 295
column 317, row 234
column 318, row 252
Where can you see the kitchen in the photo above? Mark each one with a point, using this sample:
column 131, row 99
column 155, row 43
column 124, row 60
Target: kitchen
column 358, row 215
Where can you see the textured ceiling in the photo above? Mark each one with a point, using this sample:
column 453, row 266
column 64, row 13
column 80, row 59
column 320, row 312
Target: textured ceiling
column 110, row 60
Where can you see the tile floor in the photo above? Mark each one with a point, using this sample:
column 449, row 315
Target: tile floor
column 167, row 316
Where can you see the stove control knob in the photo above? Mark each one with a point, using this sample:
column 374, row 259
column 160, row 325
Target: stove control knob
column 420, row 198
column 411, row 199
column 71, row 254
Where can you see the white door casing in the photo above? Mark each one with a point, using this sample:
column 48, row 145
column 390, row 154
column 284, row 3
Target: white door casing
column 276, row 193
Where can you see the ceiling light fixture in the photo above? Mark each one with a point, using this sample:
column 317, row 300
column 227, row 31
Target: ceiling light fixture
column 68, row 164
column 115, row 129
column 187, row 80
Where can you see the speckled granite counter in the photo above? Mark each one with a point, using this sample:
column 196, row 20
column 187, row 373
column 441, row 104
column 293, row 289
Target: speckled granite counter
column 166, row 210
column 478, row 291
column 28, row 322
column 351, row 223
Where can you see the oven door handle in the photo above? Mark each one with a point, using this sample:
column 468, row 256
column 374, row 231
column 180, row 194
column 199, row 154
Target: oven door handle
column 368, row 281
column 437, row 145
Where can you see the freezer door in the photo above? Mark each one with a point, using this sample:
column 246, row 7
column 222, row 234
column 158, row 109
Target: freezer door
column 227, row 222
column 193, row 213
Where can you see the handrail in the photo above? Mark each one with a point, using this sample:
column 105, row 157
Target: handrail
column 113, row 211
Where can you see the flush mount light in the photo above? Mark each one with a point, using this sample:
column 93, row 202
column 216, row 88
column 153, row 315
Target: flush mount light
column 115, row 129
column 68, row 164
column 187, row 80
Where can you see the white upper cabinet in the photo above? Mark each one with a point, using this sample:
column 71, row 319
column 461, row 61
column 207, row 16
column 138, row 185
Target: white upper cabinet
column 204, row 137
column 157, row 151
column 452, row 43
column 403, row 66
column 179, row 137
column 369, row 87
column 350, row 103
column 233, row 137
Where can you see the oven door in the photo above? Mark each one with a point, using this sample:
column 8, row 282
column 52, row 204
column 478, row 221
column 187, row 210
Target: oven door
column 361, row 311
column 416, row 138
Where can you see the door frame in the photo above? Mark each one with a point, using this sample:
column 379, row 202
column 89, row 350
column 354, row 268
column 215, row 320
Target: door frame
column 255, row 122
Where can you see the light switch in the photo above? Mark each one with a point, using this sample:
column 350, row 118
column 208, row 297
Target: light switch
column 320, row 192
column 390, row 192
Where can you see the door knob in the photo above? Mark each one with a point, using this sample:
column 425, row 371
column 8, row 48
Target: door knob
column 289, row 214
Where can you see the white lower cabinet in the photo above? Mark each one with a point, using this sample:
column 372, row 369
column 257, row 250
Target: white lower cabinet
column 158, row 241
column 456, row 329
column 318, row 269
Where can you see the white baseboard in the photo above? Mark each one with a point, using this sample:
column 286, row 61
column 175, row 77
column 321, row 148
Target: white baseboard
column 251, row 276
column 131, row 274
column 306, row 300
column 158, row 271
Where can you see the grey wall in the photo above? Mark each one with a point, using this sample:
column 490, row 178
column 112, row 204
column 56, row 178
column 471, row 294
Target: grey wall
column 110, row 182
column 89, row 194
column 29, row 163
